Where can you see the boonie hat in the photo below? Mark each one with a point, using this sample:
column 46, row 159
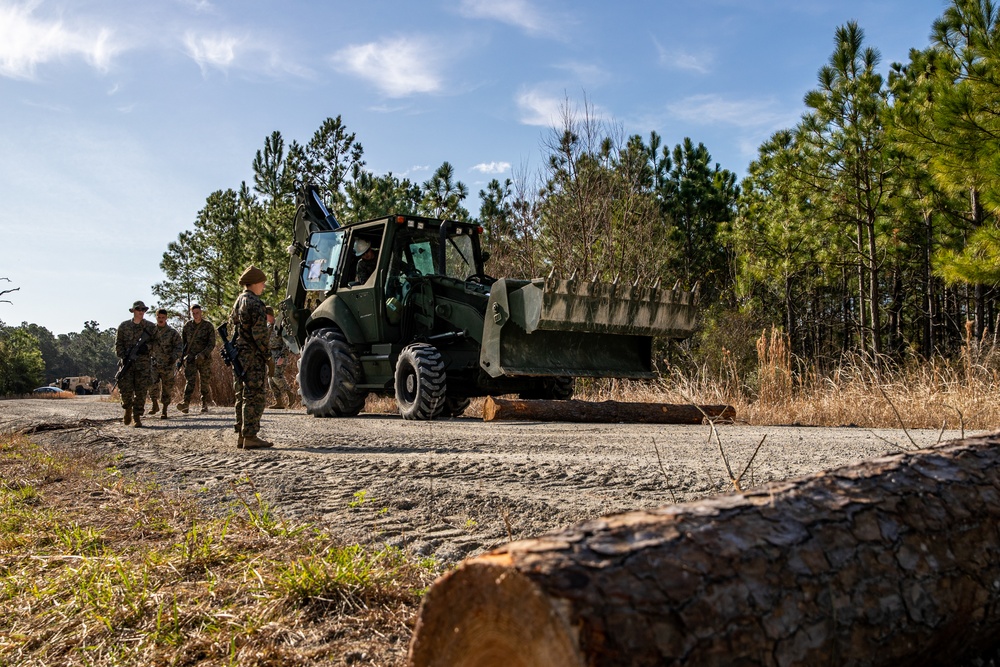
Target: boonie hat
column 138, row 305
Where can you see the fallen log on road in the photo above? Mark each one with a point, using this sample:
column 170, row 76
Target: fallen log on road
column 603, row 412
column 890, row 561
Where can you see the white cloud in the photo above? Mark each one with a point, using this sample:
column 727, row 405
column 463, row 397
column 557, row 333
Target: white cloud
column 218, row 51
column 224, row 52
column 539, row 108
column 586, row 73
column 492, row 167
column 398, row 67
column 700, row 63
column 518, row 13
column 747, row 113
column 27, row 41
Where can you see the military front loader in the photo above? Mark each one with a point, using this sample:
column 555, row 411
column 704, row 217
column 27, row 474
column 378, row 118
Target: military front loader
column 429, row 326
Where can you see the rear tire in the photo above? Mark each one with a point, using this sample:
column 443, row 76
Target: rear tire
column 329, row 372
column 558, row 388
column 454, row 406
column 420, row 382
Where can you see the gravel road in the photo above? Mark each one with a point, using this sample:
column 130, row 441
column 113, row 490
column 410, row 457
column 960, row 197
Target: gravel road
column 451, row 488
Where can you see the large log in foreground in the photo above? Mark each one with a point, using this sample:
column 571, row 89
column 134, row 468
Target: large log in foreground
column 893, row 561
column 603, row 412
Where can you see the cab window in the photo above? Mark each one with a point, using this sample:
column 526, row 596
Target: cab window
column 320, row 267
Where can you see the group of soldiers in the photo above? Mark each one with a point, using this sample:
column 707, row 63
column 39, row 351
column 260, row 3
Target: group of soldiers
column 151, row 354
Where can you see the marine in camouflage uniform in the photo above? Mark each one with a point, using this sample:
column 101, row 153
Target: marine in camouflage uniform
column 248, row 319
column 198, row 338
column 164, row 353
column 276, row 361
column 134, row 382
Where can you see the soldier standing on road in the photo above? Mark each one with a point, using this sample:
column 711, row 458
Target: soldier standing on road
column 198, row 339
column 134, row 382
column 249, row 323
column 165, row 351
column 276, row 364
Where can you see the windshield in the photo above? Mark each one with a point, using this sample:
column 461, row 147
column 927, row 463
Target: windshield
column 322, row 260
column 419, row 253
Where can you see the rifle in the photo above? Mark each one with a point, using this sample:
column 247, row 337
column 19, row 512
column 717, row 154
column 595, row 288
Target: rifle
column 130, row 356
column 180, row 360
column 229, row 354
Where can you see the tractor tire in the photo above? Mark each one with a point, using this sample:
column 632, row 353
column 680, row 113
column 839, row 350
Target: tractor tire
column 329, row 372
column 420, row 382
column 551, row 389
column 453, row 406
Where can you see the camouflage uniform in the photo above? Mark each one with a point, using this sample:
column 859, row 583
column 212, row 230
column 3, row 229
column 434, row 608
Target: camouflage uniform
column 249, row 324
column 199, row 341
column 164, row 353
column 276, row 371
column 134, row 382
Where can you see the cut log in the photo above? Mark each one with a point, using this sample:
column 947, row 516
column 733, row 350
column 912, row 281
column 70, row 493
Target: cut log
column 604, row 412
column 892, row 561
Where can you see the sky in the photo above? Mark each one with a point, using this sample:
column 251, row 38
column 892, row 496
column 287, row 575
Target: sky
column 118, row 118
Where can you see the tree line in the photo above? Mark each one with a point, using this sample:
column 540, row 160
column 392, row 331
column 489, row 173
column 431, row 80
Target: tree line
column 31, row 355
column 870, row 227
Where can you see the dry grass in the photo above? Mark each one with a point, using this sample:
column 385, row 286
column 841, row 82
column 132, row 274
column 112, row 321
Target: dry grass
column 51, row 395
column 100, row 570
column 964, row 394
column 961, row 393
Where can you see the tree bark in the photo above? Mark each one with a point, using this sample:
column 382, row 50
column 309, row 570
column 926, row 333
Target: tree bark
column 892, row 561
column 495, row 409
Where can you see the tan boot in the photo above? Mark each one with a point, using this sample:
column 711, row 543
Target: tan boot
column 291, row 398
column 128, row 416
column 239, row 442
column 183, row 407
column 278, row 405
column 155, row 407
column 253, row 442
column 138, row 421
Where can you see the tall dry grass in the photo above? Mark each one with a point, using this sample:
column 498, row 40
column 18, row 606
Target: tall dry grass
column 939, row 393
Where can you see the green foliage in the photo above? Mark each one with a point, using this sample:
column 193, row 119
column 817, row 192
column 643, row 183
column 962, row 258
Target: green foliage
column 443, row 195
column 21, row 365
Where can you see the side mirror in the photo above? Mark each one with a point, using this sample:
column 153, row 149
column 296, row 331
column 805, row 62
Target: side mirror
column 486, row 256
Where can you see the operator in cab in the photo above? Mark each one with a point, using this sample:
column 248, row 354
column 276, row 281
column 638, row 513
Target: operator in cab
column 366, row 255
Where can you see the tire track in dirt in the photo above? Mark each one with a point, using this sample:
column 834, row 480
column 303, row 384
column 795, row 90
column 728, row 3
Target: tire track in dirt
column 450, row 488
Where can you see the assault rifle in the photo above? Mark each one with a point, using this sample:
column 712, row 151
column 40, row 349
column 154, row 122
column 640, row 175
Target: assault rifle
column 229, row 354
column 180, row 360
column 130, row 356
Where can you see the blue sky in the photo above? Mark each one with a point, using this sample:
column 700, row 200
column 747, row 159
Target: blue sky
column 118, row 118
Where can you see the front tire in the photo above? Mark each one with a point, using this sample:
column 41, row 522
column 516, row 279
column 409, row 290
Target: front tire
column 420, row 382
column 329, row 372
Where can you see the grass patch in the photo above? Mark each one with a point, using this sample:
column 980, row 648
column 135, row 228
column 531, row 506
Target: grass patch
column 98, row 569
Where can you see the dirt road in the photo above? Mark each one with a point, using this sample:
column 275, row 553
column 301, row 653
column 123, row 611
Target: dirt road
column 448, row 488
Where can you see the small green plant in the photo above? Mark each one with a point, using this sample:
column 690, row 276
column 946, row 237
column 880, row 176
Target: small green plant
column 360, row 498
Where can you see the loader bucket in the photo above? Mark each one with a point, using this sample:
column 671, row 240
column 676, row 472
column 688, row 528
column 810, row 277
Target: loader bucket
column 581, row 329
